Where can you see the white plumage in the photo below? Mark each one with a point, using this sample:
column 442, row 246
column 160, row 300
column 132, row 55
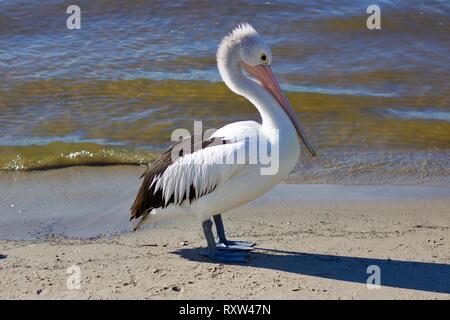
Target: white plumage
column 225, row 176
column 202, row 169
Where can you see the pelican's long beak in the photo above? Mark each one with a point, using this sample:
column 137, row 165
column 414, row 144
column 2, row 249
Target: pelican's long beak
column 263, row 73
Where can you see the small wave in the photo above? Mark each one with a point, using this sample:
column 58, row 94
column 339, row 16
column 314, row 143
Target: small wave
column 374, row 167
column 427, row 114
column 59, row 155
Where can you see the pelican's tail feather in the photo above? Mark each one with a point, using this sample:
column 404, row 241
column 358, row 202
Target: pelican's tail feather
column 143, row 220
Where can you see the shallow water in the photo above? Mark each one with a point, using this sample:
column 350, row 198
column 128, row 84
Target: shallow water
column 89, row 202
column 112, row 92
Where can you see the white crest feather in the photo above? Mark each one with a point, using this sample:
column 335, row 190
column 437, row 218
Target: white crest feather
column 242, row 32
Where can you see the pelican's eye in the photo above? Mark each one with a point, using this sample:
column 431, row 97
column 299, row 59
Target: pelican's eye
column 263, row 58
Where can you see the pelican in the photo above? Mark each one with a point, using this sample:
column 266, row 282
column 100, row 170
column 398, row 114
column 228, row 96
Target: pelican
column 201, row 183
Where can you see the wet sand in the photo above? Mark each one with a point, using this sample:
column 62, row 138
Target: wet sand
column 313, row 241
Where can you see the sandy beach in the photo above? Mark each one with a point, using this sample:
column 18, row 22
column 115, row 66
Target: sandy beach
column 92, row 92
column 312, row 241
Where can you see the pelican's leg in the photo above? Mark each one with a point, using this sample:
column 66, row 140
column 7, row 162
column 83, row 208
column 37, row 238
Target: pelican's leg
column 215, row 254
column 224, row 244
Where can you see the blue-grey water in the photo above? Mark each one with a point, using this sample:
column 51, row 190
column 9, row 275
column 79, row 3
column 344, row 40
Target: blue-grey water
column 371, row 101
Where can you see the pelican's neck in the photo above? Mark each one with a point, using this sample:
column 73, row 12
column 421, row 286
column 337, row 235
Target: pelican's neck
column 272, row 115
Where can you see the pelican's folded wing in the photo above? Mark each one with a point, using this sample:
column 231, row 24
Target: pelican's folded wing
column 179, row 176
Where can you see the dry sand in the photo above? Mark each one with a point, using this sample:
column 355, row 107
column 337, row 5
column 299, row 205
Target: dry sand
column 313, row 241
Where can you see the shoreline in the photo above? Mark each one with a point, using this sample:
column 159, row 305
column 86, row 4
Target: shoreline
column 87, row 202
column 313, row 241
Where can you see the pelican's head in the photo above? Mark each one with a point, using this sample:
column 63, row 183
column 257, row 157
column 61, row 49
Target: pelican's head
column 244, row 61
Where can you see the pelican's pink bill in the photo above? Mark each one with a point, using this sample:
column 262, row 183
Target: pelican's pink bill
column 263, row 73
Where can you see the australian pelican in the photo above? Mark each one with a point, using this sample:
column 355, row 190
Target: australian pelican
column 201, row 183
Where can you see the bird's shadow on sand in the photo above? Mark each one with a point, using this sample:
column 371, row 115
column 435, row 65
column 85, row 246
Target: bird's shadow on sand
column 425, row 276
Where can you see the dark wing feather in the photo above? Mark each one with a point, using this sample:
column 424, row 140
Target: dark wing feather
column 146, row 198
